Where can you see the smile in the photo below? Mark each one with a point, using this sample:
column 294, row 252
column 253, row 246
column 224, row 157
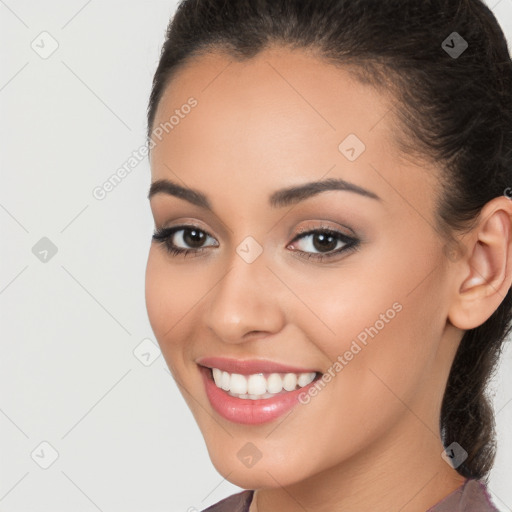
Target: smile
column 253, row 392
column 259, row 385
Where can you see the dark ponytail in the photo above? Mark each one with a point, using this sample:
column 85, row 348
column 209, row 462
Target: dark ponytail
column 454, row 109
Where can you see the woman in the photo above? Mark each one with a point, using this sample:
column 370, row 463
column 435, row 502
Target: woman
column 331, row 269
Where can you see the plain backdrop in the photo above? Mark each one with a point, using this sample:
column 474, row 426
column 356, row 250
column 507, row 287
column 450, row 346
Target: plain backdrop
column 90, row 418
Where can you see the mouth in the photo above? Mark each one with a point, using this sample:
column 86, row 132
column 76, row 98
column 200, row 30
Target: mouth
column 253, row 397
column 260, row 386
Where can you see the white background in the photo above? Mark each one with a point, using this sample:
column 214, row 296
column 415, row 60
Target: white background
column 125, row 439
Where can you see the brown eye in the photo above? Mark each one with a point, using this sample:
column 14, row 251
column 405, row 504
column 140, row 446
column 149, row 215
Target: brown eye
column 193, row 237
column 323, row 243
column 182, row 239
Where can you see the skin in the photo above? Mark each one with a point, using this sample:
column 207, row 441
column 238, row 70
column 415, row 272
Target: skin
column 370, row 439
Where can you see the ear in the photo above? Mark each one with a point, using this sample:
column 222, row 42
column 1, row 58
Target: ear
column 484, row 273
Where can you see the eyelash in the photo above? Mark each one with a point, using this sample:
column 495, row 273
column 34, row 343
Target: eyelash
column 164, row 236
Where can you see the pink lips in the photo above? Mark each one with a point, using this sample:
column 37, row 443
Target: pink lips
column 249, row 366
column 247, row 411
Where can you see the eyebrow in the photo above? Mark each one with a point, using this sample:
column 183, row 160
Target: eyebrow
column 278, row 199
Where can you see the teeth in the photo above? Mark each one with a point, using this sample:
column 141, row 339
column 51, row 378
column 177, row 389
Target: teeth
column 217, row 376
column 239, row 385
column 290, row 381
column 225, row 381
column 256, row 386
column 274, row 383
column 304, row 379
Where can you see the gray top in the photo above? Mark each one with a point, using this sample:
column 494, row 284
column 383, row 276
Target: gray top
column 471, row 496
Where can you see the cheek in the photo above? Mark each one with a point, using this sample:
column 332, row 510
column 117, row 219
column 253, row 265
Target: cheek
column 174, row 294
column 381, row 323
column 166, row 299
column 389, row 291
column 155, row 292
column 163, row 301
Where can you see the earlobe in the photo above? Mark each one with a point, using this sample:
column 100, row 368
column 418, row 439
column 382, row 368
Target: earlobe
column 487, row 269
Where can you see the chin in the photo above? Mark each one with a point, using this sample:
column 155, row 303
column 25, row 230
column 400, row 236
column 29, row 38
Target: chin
column 268, row 474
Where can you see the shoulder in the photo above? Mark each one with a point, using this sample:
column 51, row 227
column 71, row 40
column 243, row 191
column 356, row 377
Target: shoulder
column 235, row 503
column 472, row 496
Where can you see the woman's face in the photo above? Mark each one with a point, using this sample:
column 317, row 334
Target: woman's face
column 372, row 315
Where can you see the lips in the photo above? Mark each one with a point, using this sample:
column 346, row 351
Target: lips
column 251, row 366
column 253, row 411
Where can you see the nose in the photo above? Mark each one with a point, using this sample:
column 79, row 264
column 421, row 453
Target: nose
column 244, row 302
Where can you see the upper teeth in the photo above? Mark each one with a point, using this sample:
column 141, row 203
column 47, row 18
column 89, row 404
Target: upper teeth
column 256, row 386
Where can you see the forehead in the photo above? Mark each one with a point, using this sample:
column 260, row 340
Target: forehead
column 276, row 119
column 283, row 92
